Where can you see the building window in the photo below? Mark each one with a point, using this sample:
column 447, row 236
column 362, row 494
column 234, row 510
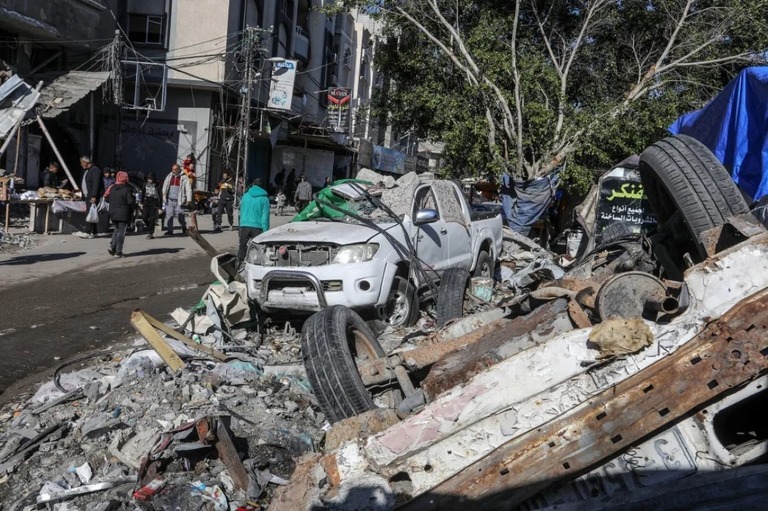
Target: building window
column 146, row 29
column 347, row 60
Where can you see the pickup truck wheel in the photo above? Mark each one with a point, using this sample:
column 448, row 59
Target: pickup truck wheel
column 333, row 342
column 680, row 173
column 402, row 307
column 450, row 295
column 484, row 266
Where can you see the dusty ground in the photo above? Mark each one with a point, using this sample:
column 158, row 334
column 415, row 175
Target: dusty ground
column 67, row 296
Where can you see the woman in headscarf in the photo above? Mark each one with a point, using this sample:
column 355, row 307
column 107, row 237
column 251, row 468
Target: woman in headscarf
column 121, row 203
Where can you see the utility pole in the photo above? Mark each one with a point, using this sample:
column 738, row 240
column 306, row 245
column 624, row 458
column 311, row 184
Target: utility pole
column 245, row 113
column 253, row 49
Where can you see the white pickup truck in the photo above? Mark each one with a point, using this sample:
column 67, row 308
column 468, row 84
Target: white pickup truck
column 366, row 263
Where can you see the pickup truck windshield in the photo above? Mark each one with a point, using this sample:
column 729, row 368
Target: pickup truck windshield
column 345, row 196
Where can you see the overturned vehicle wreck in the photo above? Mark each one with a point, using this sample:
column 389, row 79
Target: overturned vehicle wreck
column 628, row 381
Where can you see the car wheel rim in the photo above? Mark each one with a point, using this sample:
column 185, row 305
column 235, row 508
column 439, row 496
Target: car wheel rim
column 363, row 348
column 397, row 309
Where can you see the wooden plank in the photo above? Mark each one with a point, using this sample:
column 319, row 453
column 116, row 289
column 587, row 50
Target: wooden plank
column 186, row 340
column 148, row 332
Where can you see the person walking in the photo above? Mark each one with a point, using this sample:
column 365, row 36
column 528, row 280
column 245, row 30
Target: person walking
column 254, row 216
column 121, row 203
column 226, row 199
column 177, row 193
column 92, row 186
column 280, row 179
column 290, row 183
column 150, row 204
column 303, row 194
column 281, row 200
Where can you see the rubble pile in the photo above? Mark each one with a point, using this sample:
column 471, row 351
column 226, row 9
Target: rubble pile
column 13, row 242
column 122, row 431
column 522, row 265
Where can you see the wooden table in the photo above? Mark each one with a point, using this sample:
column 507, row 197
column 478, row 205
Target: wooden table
column 34, row 204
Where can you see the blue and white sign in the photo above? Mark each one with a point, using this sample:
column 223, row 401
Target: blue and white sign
column 281, row 87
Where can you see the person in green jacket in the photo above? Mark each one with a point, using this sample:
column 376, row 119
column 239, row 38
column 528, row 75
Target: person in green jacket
column 254, row 216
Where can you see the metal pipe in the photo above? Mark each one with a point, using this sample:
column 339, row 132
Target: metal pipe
column 551, row 293
column 410, row 403
column 663, row 303
column 56, row 151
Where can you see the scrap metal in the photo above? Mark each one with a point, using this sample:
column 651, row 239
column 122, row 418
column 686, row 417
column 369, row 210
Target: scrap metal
column 729, row 352
column 544, row 383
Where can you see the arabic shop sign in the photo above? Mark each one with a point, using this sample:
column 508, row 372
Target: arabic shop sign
column 338, row 109
column 281, row 88
column 622, row 201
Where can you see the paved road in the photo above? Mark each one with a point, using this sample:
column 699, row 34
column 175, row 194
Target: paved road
column 67, row 296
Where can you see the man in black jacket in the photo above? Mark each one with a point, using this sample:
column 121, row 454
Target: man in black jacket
column 51, row 176
column 121, row 203
column 92, row 186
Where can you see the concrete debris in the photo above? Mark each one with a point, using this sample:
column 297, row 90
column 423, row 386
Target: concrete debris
column 121, row 438
column 10, row 243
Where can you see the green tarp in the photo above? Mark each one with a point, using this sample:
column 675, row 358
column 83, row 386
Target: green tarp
column 314, row 210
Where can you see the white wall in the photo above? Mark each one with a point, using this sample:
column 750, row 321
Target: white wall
column 198, row 27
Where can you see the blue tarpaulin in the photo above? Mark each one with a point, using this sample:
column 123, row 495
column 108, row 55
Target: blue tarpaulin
column 734, row 126
column 523, row 203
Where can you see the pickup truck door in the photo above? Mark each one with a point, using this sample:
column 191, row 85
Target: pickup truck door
column 455, row 225
column 431, row 244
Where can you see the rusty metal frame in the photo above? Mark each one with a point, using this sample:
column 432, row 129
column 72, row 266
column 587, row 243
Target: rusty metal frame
column 726, row 354
column 382, row 370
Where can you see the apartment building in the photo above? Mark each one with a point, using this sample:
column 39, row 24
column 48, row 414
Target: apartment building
column 183, row 82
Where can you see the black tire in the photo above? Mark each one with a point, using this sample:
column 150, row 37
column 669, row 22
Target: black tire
column 331, row 342
column 402, row 307
column 484, row 266
column 679, row 173
column 450, row 295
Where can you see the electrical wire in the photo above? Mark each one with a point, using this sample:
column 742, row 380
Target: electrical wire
column 406, row 252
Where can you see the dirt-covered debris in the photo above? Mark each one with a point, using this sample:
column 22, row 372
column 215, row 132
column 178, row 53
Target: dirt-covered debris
column 124, row 404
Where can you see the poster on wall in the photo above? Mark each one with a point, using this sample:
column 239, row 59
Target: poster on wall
column 281, row 86
column 338, row 109
column 388, row 160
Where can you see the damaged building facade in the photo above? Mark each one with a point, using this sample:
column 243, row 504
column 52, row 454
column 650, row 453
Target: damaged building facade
column 42, row 41
column 174, row 90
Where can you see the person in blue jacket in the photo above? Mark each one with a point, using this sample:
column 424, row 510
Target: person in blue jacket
column 254, row 216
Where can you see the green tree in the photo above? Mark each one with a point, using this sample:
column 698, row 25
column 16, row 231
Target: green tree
column 524, row 85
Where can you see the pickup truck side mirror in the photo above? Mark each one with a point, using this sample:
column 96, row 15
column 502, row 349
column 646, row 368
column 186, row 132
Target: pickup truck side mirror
column 426, row 216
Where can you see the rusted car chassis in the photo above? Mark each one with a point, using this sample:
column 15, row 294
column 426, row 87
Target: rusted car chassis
column 730, row 352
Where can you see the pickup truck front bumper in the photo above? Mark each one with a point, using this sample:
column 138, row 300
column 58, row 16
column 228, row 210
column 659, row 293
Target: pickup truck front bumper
column 303, row 289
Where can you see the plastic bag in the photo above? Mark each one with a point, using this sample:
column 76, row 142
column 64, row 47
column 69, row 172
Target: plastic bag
column 93, row 215
column 103, row 205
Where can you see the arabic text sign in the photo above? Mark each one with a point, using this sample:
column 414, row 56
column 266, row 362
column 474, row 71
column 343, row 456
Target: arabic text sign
column 338, row 108
column 623, row 201
column 281, row 86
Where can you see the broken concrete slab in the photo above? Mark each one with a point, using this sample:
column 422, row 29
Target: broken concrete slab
column 130, row 447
